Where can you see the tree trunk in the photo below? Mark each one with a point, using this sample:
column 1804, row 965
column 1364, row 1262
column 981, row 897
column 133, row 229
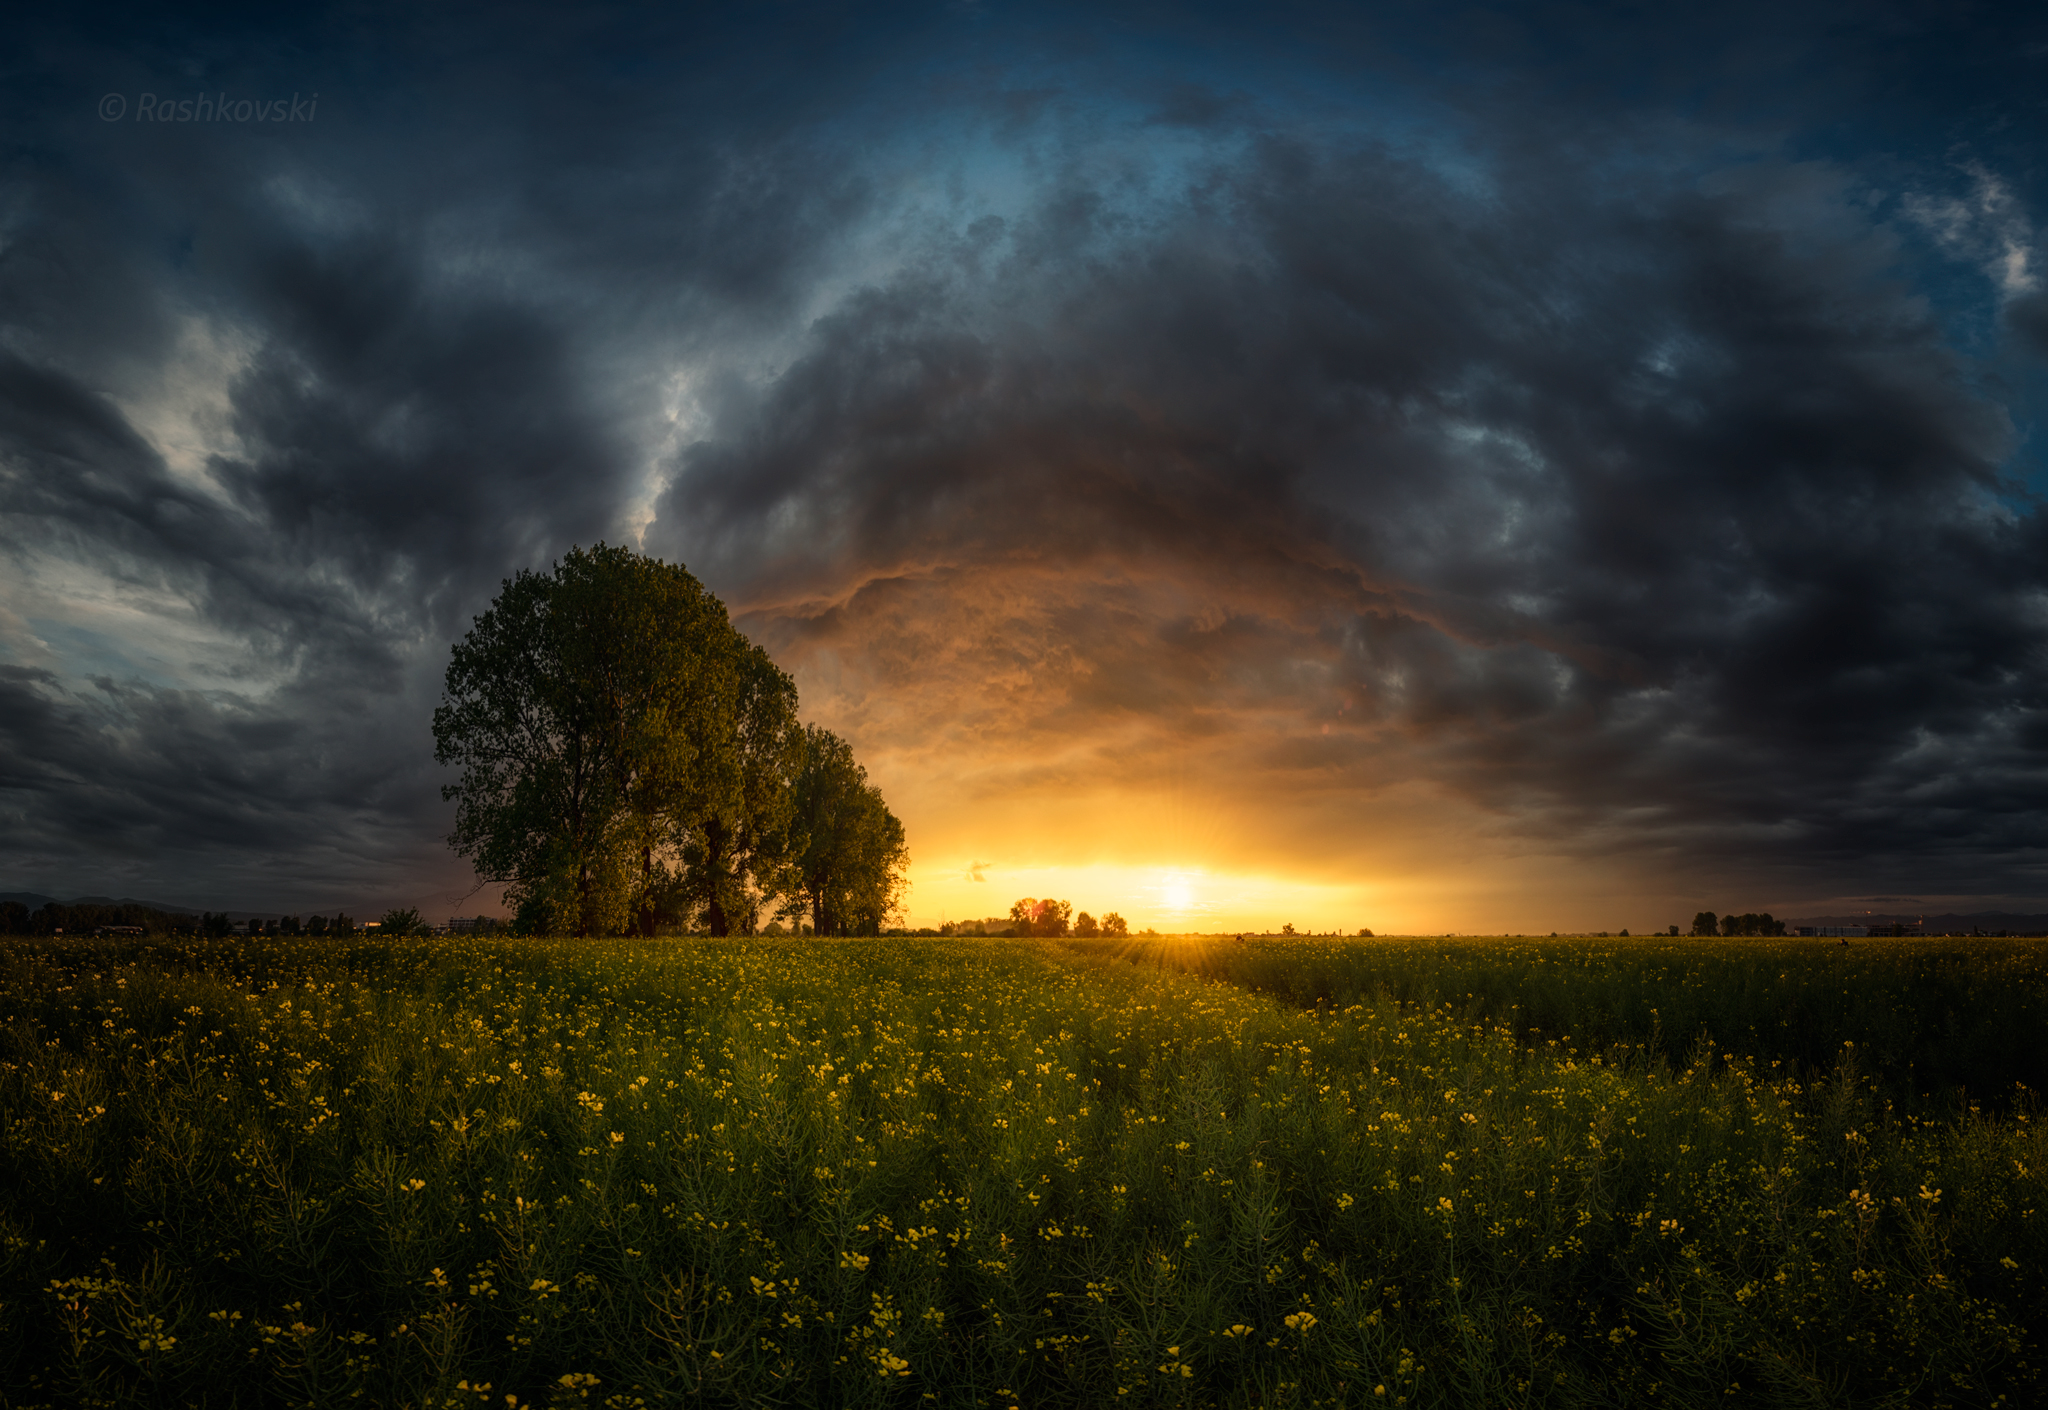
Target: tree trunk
column 715, row 847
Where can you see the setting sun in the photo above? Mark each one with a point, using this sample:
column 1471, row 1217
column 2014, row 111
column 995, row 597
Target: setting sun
column 1176, row 893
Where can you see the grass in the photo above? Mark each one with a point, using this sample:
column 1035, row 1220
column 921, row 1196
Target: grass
column 908, row 1173
column 1934, row 1021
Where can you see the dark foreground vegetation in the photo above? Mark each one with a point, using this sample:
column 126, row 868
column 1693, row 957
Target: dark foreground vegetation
column 748, row 1172
column 1934, row 1024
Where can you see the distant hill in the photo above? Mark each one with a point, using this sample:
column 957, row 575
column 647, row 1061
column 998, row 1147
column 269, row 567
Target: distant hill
column 1947, row 923
column 35, row 900
column 131, row 901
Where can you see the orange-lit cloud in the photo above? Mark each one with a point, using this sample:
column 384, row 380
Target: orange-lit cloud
column 1298, row 550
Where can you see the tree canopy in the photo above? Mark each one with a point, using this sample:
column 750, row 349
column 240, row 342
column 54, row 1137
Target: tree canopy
column 631, row 761
column 1048, row 918
column 852, row 852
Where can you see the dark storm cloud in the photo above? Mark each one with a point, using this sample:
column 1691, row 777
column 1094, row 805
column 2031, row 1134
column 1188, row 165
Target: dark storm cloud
column 401, row 430
column 413, row 342
column 1073, row 411
column 398, row 446
column 138, row 782
column 316, row 586
column 1657, row 514
column 2028, row 318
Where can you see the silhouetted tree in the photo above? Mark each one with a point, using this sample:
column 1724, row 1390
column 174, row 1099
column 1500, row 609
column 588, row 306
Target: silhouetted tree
column 738, row 850
column 1703, row 923
column 848, row 850
column 627, row 755
column 1114, row 924
column 1084, row 925
column 1046, row 918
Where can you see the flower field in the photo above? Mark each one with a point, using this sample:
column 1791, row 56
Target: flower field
column 992, row 1173
column 1930, row 1018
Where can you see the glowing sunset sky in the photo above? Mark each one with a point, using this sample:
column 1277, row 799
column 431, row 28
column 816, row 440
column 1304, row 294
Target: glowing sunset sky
column 1503, row 468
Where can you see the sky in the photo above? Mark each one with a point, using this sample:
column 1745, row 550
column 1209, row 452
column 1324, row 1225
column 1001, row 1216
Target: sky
column 1469, row 468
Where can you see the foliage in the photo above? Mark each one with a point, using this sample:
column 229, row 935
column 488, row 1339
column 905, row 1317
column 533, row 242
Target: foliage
column 1750, row 923
column 627, row 755
column 52, row 917
column 1046, row 918
column 850, row 854
column 1931, row 1020
column 1114, row 925
column 738, row 815
column 403, row 922
column 988, row 925
column 953, row 1173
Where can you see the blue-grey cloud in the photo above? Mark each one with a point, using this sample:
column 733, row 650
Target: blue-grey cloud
column 1595, row 422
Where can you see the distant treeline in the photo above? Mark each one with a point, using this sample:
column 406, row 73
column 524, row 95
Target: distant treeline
column 1749, row 923
column 1047, row 919
column 87, row 918
column 284, row 925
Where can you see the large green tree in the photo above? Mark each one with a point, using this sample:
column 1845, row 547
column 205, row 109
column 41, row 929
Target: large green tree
column 850, row 854
column 626, row 754
column 740, row 846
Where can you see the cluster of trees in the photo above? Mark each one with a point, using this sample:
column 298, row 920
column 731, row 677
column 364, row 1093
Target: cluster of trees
column 1047, row 918
column 630, row 762
column 1749, row 923
column 85, row 919
column 52, row 917
column 212, row 924
column 1030, row 916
